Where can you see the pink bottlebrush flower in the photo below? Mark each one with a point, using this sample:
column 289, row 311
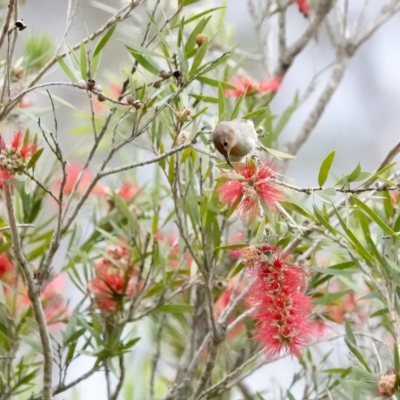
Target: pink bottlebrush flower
column 270, row 85
column 16, row 140
column 304, row 7
column 244, row 85
column 25, row 104
column 248, row 189
column 73, row 172
column 54, row 305
column 247, row 86
column 110, row 285
column 282, row 311
column 127, row 190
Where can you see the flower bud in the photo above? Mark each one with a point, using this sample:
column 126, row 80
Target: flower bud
column 386, row 385
column 101, row 97
column 165, row 74
column 201, row 38
column 182, row 138
column 81, row 84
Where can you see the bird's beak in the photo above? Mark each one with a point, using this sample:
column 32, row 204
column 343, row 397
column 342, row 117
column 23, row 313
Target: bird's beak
column 228, row 161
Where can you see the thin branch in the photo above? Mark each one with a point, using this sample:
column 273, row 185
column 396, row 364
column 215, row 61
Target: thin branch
column 121, row 378
column 150, row 161
column 156, row 357
column 288, row 57
column 312, row 120
column 310, row 190
column 6, row 228
column 33, row 293
column 7, row 21
column 389, row 157
column 387, row 12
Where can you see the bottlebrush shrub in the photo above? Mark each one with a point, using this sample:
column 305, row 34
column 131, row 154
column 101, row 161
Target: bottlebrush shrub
column 130, row 251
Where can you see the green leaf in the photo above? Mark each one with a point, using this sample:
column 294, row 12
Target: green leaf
column 324, row 222
column 254, row 113
column 325, row 168
column 214, row 63
column 67, row 70
column 32, row 162
column 276, row 153
column 221, row 103
column 396, row 359
column 334, row 271
column 376, row 175
column 191, row 42
column 350, row 334
column 199, row 15
column 201, row 52
column 236, row 110
column 358, row 355
column 295, row 207
column 103, row 41
column 375, row 217
column 361, row 249
column 83, row 62
column 94, row 65
column 206, row 99
column 290, row 395
column 354, row 174
column 145, row 62
column 215, row 82
column 176, row 308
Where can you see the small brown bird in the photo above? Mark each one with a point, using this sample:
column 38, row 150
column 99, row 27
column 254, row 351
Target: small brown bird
column 235, row 139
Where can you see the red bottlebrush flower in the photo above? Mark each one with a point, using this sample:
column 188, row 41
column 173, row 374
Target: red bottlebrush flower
column 304, row 7
column 247, row 191
column 5, row 267
column 13, row 156
column 127, row 190
column 244, row 85
column 110, row 286
column 282, row 311
column 271, row 84
column 16, row 141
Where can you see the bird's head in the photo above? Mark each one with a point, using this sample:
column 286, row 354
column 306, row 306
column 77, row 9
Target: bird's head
column 224, row 140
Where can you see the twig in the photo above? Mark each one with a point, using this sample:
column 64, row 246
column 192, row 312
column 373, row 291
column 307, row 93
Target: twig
column 156, row 357
column 6, row 228
column 310, row 190
column 34, row 295
column 388, row 11
column 150, row 161
column 389, row 157
column 314, row 117
column 7, row 22
column 287, row 58
column 114, row 396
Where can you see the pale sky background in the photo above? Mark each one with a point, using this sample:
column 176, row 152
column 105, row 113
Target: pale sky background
column 362, row 121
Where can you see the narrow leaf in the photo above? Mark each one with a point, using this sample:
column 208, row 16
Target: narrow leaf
column 325, row 168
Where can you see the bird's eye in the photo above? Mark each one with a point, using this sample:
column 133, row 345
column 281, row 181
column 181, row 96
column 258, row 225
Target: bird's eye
column 225, row 143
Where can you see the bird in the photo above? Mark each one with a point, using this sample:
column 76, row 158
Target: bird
column 235, row 139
